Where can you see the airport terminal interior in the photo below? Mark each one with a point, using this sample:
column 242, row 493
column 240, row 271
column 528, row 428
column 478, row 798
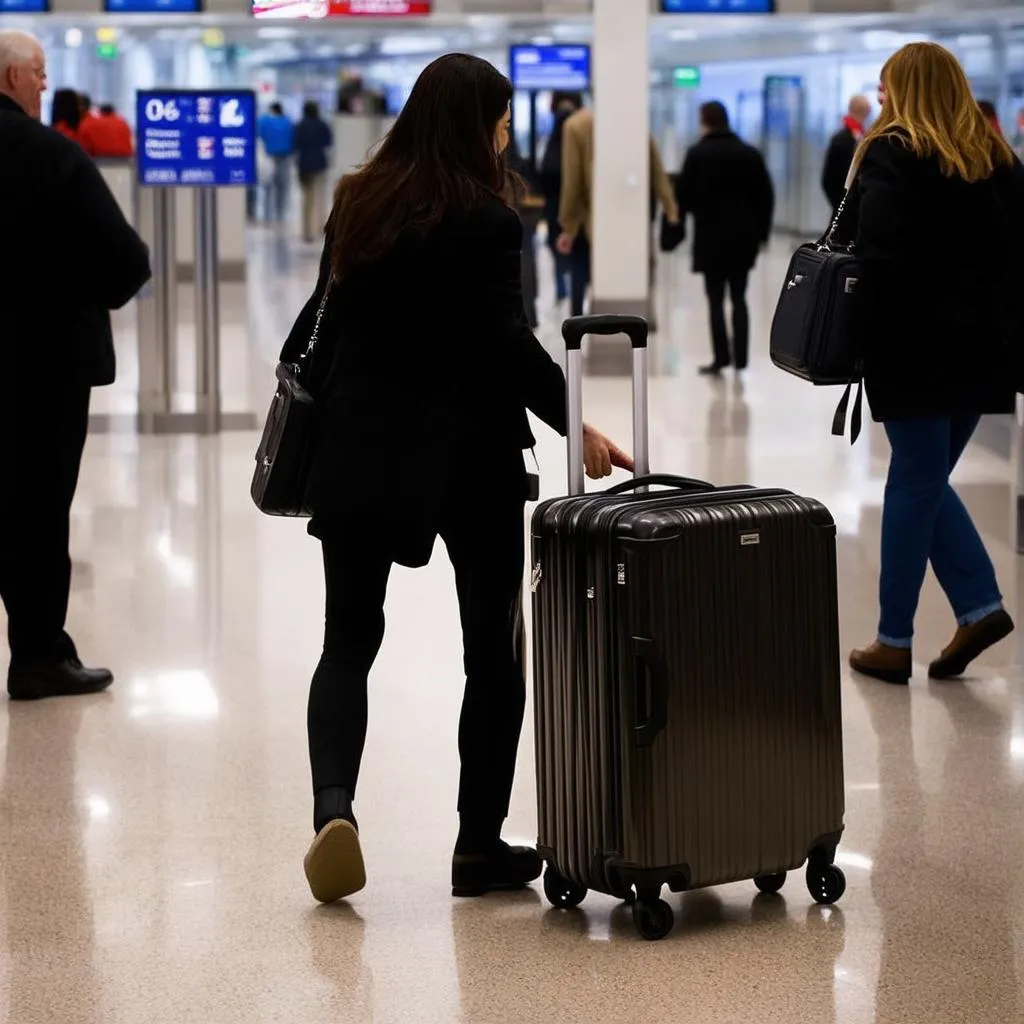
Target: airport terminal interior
column 152, row 836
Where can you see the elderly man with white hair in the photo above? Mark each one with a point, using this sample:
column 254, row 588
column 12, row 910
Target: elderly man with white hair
column 67, row 257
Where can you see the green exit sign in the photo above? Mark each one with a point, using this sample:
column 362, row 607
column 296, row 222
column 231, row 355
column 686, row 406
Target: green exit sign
column 686, row 78
column 107, row 51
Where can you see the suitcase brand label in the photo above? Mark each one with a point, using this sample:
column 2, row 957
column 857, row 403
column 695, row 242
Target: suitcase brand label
column 620, row 575
column 851, row 285
column 746, row 539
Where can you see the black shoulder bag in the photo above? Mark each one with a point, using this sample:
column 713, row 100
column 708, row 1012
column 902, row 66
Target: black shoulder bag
column 281, row 480
column 812, row 336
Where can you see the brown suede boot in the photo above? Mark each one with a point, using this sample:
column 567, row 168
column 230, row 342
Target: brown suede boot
column 880, row 661
column 968, row 643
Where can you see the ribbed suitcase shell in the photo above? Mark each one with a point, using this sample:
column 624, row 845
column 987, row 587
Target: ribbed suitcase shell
column 737, row 590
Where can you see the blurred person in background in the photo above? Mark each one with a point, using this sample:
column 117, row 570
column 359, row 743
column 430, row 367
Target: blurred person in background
column 85, row 111
column 575, row 210
column 56, row 345
column 937, row 216
column 563, row 106
column 65, row 113
column 725, row 185
column 989, row 112
column 428, row 215
column 108, row 136
column 313, row 141
column 277, row 134
column 841, row 150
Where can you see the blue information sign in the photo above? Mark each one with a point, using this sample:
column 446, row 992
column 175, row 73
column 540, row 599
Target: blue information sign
column 540, row 68
column 718, row 6
column 152, row 6
column 24, row 6
column 196, row 137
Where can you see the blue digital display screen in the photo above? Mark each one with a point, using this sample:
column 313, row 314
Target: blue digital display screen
column 718, row 6
column 196, row 137
column 152, row 6
column 24, row 6
column 541, row 68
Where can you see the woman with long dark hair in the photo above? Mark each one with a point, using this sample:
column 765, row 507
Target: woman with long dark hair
column 424, row 371
column 937, row 208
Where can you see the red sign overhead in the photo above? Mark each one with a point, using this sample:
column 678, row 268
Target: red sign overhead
column 340, row 8
column 381, row 8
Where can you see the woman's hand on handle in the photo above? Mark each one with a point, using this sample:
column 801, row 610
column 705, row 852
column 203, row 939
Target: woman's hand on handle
column 600, row 456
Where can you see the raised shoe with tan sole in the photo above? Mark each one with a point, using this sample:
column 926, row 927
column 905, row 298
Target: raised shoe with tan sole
column 968, row 642
column 334, row 864
column 880, row 661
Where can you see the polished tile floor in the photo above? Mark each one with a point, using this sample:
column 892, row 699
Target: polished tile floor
column 151, row 838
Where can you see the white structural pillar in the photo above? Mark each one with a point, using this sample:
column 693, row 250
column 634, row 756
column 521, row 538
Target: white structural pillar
column 621, row 173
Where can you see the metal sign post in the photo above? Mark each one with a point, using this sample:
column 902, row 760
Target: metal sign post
column 158, row 312
column 208, row 408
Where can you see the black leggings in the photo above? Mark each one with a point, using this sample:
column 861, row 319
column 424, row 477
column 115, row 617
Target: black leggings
column 486, row 551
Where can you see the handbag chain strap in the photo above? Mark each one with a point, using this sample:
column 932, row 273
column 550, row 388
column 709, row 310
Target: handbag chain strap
column 314, row 335
column 826, row 243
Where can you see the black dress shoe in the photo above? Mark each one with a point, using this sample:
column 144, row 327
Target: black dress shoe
column 68, row 678
column 712, row 370
column 505, row 867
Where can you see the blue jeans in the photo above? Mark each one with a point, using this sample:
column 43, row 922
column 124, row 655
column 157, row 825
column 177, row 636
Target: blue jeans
column 922, row 520
column 277, row 187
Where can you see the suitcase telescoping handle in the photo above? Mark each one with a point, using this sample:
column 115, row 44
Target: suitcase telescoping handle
column 573, row 331
column 650, row 682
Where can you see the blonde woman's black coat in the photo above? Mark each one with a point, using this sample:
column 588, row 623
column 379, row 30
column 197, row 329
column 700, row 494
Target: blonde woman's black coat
column 938, row 307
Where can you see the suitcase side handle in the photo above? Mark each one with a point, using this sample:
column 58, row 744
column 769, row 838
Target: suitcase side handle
column 573, row 331
column 650, row 683
column 683, row 483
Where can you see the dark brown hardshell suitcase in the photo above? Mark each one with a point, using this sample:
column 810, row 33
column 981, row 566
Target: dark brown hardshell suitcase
column 686, row 679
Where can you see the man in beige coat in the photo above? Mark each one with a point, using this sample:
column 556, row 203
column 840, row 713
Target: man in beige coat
column 575, row 210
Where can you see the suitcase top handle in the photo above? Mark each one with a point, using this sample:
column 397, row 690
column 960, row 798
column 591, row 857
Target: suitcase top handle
column 634, row 327
column 682, row 483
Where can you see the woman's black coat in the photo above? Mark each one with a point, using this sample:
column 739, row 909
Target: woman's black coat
column 937, row 304
column 423, row 375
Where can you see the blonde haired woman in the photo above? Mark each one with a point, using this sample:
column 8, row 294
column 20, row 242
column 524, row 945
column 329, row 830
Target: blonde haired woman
column 936, row 208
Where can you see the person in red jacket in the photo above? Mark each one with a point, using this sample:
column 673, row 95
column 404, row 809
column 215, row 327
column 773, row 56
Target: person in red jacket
column 107, row 135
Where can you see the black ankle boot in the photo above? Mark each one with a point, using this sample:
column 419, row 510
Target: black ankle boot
column 332, row 802
column 500, row 868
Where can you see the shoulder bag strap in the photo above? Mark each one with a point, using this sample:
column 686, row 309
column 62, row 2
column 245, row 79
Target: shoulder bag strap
column 305, row 360
column 826, row 242
column 856, row 417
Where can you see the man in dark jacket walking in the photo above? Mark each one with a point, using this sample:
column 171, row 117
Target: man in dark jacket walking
column 313, row 140
column 725, row 184
column 841, row 149
column 69, row 256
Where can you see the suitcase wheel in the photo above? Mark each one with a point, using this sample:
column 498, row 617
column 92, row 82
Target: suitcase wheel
column 561, row 892
column 652, row 917
column 770, row 884
column 826, row 883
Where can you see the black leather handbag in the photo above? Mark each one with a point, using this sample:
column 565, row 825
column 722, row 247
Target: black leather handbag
column 812, row 335
column 671, row 236
column 281, row 480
